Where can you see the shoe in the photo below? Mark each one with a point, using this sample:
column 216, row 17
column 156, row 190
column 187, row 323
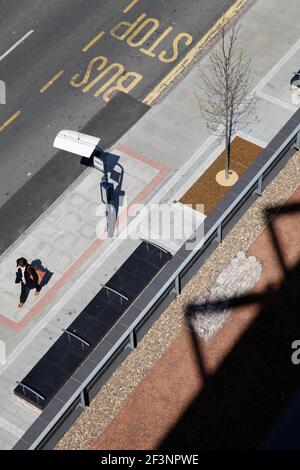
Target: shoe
column 37, row 292
column 20, row 305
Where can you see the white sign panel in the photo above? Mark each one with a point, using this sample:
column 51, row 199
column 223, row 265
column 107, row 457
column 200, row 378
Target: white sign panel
column 76, row 142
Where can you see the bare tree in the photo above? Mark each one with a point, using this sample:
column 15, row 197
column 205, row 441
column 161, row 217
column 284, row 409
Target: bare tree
column 227, row 105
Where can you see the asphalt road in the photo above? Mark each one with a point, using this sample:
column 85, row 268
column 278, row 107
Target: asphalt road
column 91, row 47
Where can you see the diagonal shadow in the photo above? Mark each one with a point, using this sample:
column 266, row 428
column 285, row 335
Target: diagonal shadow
column 115, row 171
column 242, row 401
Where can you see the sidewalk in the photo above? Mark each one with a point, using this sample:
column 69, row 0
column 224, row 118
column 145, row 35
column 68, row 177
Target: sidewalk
column 162, row 155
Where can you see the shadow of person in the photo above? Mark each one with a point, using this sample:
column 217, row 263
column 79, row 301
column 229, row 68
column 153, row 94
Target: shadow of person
column 37, row 263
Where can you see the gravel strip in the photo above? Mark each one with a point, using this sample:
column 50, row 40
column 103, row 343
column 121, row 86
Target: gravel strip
column 115, row 392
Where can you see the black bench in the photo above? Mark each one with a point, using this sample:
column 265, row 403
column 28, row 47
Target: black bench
column 89, row 328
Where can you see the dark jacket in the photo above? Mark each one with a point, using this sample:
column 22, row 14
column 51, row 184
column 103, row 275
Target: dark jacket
column 30, row 275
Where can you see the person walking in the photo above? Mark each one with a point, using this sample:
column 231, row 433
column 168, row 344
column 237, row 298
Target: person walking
column 27, row 276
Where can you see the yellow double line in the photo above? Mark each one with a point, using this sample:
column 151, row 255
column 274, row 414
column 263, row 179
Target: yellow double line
column 170, row 77
column 93, row 41
column 131, row 4
column 9, row 121
column 48, row 84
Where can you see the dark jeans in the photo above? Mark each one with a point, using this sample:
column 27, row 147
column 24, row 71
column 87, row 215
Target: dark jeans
column 25, row 289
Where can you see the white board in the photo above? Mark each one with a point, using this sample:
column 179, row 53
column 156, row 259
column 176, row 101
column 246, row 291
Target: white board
column 76, row 142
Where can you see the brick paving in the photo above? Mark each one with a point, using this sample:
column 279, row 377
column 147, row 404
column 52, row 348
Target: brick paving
column 198, row 389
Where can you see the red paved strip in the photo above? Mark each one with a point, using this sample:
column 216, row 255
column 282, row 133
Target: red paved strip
column 52, row 291
column 225, row 392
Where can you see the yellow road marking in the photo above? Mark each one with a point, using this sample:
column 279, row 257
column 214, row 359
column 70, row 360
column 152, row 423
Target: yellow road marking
column 93, row 41
column 131, row 4
column 48, row 84
column 10, row 120
column 191, row 54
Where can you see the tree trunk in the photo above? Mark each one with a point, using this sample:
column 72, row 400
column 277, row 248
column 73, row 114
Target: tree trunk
column 228, row 143
column 227, row 135
column 228, row 146
column 227, row 156
column 227, row 165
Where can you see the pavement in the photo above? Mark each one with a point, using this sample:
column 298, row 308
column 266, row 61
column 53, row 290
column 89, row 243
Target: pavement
column 162, row 155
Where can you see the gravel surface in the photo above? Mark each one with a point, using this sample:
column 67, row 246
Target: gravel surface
column 114, row 393
column 206, row 190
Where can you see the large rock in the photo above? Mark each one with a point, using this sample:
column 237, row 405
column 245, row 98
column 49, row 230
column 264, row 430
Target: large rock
column 211, row 310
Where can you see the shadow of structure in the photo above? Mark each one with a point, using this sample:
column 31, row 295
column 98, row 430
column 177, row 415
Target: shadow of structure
column 116, row 173
column 245, row 400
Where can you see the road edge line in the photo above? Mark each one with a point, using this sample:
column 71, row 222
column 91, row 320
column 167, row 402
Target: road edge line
column 165, row 82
